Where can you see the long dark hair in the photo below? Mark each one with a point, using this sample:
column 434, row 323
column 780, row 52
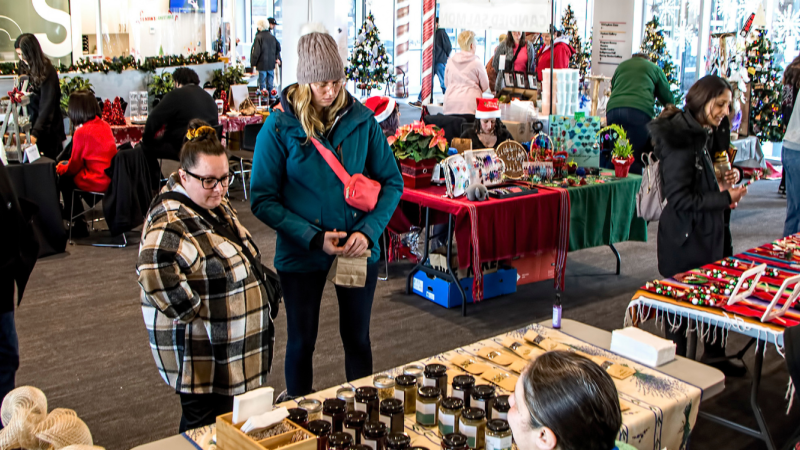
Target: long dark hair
column 791, row 76
column 37, row 63
column 703, row 91
column 510, row 39
column 497, row 124
column 390, row 124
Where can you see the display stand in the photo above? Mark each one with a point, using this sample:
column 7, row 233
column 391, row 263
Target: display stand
column 596, row 80
column 15, row 131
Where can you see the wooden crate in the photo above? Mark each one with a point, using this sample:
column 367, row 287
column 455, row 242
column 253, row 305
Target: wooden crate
column 230, row 437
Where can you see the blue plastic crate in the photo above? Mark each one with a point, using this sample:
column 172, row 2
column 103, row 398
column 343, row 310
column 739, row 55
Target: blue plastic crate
column 445, row 293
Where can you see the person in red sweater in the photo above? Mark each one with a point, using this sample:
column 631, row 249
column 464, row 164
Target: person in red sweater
column 93, row 147
column 563, row 52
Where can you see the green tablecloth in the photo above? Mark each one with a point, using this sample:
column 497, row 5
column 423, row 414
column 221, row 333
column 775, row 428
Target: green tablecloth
column 604, row 214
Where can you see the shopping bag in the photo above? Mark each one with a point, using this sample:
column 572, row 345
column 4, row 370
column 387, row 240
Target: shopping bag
column 349, row 272
column 649, row 200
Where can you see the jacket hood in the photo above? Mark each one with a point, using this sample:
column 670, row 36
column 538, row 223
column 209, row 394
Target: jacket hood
column 462, row 59
column 351, row 116
column 563, row 40
column 682, row 132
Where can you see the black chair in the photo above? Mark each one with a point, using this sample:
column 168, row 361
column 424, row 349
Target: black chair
column 245, row 154
column 219, row 130
column 97, row 197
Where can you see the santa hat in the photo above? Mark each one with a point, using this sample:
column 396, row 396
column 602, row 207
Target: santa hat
column 488, row 108
column 383, row 107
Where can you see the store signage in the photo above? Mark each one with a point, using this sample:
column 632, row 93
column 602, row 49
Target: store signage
column 159, row 18
column 526, row 15
column 613, row 35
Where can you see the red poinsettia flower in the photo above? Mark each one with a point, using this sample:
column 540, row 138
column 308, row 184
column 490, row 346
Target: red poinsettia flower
column 392, row 140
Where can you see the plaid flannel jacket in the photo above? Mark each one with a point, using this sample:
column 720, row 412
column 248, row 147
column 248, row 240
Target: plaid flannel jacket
column 205, row 309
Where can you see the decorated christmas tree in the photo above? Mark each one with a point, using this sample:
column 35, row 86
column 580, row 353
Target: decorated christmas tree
column 656, row 49
column 578, row 60
column 369, row 63
column 765, row 98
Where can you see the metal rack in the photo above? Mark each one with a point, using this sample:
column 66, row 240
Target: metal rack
column 11, row 123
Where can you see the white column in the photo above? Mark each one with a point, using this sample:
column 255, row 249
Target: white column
column 703, row 35
column 99, row 30
column 77, row 32
column 207, row 17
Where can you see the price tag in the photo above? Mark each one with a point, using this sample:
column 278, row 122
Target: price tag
column 31, row 153
column 502, row 62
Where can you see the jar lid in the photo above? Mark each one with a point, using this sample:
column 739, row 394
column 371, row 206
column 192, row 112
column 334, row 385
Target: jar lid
column 429, row 392
column 405, row 380
column 356, row 417
column 452, row 403
column 319, row 427
column 334, row 406
column 498, row 425
column 347, row 394
column 501, row 403
column 414, row 370
column 391, row 406
column 366, row 393
column 398, row 440
column 483, row 392
column 455, row 440
column 311, row 405
column 298, row 415
column 435, row 370
column 375, row 429
column 463, row 381
column 340, row 439
column 473, row 414
column 383, row 381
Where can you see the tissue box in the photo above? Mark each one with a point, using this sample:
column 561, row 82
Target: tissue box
column 253, row 403
column 642, row 346
column 230, row 437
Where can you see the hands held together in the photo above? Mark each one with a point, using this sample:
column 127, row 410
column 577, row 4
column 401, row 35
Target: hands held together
column 355, row 246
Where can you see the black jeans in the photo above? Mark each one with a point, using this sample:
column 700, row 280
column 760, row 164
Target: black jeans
column 634, row 122
column 200, row 410
column 9, row 344
column 66, row 185
column 302, row 294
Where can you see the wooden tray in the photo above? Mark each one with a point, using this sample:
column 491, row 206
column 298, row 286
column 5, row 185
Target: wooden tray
column 230, row 437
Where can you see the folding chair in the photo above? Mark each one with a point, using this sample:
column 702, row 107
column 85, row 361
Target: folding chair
column 95, row 196
column 245, row 155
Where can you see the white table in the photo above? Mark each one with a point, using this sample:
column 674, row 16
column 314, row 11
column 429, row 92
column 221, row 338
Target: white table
column 707, row 378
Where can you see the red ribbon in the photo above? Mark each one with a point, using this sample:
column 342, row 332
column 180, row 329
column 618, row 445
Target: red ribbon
column 15, row 95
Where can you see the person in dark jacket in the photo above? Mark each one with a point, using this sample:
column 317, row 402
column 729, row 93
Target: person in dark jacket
column 18, row 253
column 265, row 55
column 172, row 115
column 489, row 131
column 296, row 193
column 691, row 232
column 441, row 53
column 790, row 152
column 47, row 131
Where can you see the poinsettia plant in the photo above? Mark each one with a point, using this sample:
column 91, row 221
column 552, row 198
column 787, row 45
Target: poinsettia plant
column 418, row 141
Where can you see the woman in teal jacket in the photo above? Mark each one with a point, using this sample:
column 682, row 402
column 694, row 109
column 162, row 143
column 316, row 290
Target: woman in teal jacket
column 295, row 192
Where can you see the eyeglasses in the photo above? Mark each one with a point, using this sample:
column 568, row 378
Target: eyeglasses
column 210, row 182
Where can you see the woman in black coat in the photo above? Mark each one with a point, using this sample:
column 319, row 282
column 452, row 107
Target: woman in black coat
column 47, row 130
column 691, row 232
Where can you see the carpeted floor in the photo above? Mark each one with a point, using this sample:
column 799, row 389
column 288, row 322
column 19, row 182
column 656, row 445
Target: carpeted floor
column 82, row 339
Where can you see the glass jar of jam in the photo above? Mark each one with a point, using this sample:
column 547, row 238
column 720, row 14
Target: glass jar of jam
column 392, row 414
column 333, row 410
column 354, row 424
column 367, row 401
column 416, row 371
column 428, row 398
column 397, row 441
column 454, row 441
column 385, row 385
column 321, row 429
column 436, row 375
column 500, row 407
column 299, row 416
column 340, row 441
column 375, row 435
column 462, row 388
column 473, row 426
column 405, row 390
column 313, row 406
column 482, row 396
column 449, row 413
column 498, row 435
column 347, row 394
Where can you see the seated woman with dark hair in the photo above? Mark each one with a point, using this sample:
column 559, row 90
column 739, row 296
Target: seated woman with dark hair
column 489, row 131
column 93, row 148
column 565, row 401
column 387, row 113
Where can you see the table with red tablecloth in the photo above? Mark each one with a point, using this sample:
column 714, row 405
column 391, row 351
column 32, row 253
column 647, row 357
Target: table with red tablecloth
column 128, row 133
column 234, row 124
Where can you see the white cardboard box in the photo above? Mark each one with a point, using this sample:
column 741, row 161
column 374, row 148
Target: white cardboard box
column 641, row 346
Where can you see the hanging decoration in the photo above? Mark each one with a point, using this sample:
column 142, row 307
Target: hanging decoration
column 369, row 63
column 85, row 65
column 656, row 49
column 765, row 98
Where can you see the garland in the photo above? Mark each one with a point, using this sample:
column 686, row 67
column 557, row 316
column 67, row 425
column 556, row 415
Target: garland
column 117, row 65
column 9, row 68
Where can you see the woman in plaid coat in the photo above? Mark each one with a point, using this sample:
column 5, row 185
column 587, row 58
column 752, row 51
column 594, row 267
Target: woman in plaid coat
column 205, row 307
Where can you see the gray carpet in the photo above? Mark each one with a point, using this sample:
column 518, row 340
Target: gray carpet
column 83, row 342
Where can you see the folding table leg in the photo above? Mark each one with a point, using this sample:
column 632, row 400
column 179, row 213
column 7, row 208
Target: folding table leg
column 616, row 253
column 453, row 272
column 421, row 262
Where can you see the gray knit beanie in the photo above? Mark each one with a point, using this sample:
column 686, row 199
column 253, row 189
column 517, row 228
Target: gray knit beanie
column 318, row 54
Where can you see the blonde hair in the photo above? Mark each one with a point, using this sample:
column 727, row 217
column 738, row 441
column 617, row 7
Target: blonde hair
column 300, row 96
column 502, row 37
column 466, row 39
column 261, row 24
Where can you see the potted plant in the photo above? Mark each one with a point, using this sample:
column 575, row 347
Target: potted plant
column 418, row 147
column 68, row 86
column 622, row 153
column 159, row 86
column 222, row 81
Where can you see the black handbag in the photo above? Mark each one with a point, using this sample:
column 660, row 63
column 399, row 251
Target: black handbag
column 272, row 284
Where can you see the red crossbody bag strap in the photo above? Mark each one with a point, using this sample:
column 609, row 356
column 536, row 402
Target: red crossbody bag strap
column 332, row 161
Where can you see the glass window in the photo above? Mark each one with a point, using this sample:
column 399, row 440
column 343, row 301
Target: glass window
column 384, row 19
column 680, row 20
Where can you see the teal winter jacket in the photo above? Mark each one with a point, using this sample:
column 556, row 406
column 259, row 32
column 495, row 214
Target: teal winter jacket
column 295, row 192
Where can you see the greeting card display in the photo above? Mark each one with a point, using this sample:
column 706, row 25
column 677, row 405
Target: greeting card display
column 577, row 137
column 457, row 176
column 485, row 166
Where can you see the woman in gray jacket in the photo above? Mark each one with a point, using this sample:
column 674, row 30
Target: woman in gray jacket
column 514, row 58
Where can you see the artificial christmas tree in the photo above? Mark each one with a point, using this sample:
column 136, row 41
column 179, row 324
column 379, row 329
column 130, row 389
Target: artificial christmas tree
column 369, row 63
column 765, row 98
column 112, row 113
column 578, row 60
column 655, row 48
